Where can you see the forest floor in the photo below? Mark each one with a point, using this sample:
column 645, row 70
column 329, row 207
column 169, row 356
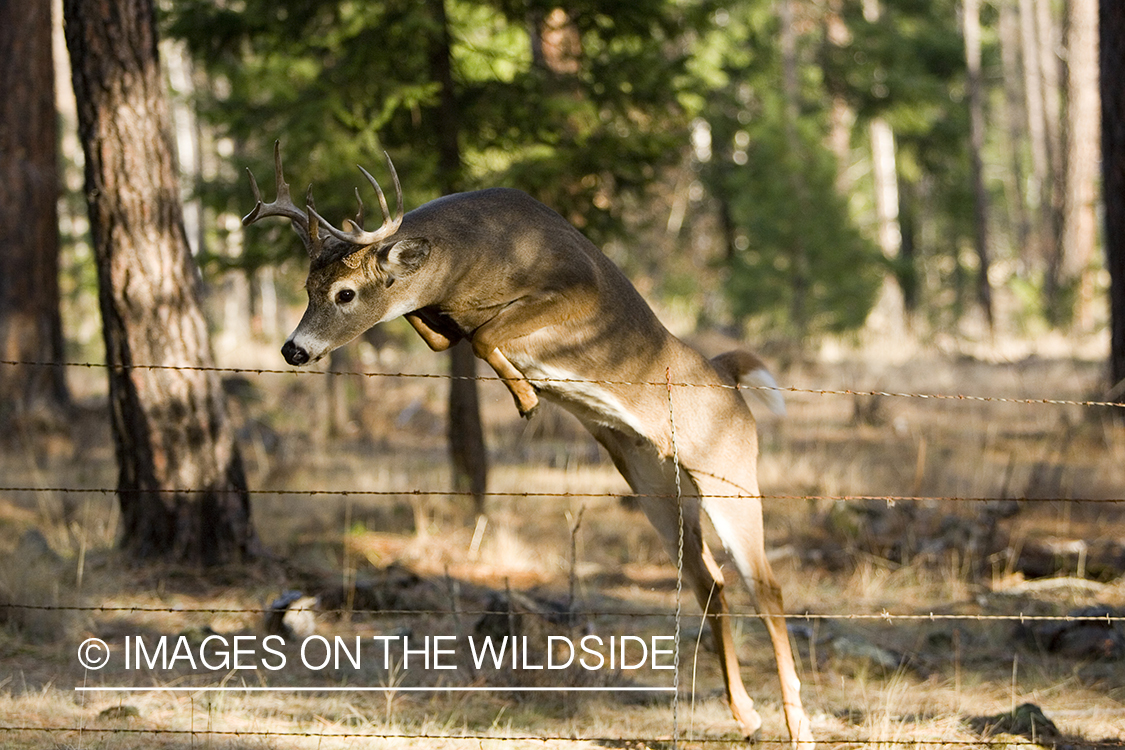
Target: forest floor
column 927, row 620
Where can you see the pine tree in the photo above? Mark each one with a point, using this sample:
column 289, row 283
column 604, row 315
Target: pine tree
column 180, row 483
column 30, row 324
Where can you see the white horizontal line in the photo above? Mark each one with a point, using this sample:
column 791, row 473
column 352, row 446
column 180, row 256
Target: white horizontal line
column 337, row 689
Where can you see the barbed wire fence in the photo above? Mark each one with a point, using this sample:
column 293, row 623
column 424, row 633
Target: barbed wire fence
column 1109, row 618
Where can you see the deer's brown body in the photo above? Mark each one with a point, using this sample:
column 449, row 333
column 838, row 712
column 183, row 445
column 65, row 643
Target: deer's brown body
column 556, row 318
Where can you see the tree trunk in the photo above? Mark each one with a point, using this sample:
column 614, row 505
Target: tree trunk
column 787, row 34
column 841, row 117
column 1047, row 31
column 1112, row 60
column 1047, row 37
column 971, row 18
column 885, row 178
column 972, row 32
column 181, row 485
column 30, row 324
column 908, row 268
column 1079, row 222
column 467, row 451
column 1016, row 121
column 889, row 313
column 1039, row 185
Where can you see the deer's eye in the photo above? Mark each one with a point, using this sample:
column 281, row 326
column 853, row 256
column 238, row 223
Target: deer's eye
column 344, row 296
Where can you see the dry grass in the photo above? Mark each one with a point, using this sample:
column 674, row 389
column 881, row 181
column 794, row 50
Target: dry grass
column 832, row 559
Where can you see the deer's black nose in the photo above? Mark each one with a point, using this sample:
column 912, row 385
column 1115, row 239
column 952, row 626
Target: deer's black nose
column 294, row 354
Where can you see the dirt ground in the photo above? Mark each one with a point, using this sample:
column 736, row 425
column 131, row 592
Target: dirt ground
column 983, row 605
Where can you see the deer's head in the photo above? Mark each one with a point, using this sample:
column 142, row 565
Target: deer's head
column 356, row 278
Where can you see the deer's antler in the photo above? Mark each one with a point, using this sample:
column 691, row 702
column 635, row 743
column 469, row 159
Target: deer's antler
column 307, row 222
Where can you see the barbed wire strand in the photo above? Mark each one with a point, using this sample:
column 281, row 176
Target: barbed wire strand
column 648, row 741
column 446, row 376
column 889, row 499
column 884, row 616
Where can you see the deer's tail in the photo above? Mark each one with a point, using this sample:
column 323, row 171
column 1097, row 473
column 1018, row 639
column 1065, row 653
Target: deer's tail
column 744, row 368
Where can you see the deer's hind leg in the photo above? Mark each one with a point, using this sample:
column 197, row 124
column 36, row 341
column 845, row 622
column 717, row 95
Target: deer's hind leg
column 738, row 522
column 654, row 481
column 705, row 578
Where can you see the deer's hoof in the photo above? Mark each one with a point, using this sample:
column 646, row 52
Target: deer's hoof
column 747, row 717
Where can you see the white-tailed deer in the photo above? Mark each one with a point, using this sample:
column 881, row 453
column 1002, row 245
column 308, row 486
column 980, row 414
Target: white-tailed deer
column 555, row 318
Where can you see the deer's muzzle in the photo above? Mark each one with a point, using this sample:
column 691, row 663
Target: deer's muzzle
column 294, row 354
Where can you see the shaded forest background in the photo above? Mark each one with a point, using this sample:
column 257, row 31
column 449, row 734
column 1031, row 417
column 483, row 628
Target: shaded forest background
column 778, row 165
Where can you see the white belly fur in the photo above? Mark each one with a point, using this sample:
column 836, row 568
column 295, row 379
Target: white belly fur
column 586, row 399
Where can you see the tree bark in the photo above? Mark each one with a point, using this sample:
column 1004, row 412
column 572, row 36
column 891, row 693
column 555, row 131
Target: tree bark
column 1016, row 120
column 889, row 313
column 787, row 35
column 841, row 118
column 1112, row 62
column 1047, row 31
column 1047, row 37
column 467, row 451
column 1079, row 222
column 181, row 485
column 1039, row 189
column 971, row 18
column 30, row 323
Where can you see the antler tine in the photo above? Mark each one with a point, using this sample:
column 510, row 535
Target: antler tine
column 387, row 218
column 378, row 192
column 283, row 205
column 251, row 217
column 398, row 187
column 282, row 185
column 315, row 243
column 359, row 213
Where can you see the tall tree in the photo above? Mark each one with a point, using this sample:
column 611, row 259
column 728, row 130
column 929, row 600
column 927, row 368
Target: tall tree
column 971, row 24
column 181, row 485
column 884, row 175
column 1047, row 46
column 1111, row 25
column 1015, row 121
column 467, row 450
column 1079, row 221
column 1040, row 179
column 791, row 108
column 30, row 324
column 1047, row 52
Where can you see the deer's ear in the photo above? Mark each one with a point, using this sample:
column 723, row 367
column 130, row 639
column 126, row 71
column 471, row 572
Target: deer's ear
column 404, row 257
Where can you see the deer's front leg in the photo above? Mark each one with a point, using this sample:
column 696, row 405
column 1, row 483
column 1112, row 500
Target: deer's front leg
column 526, row 399
column 438, row 342
column 522, row 392
column 517, row 320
